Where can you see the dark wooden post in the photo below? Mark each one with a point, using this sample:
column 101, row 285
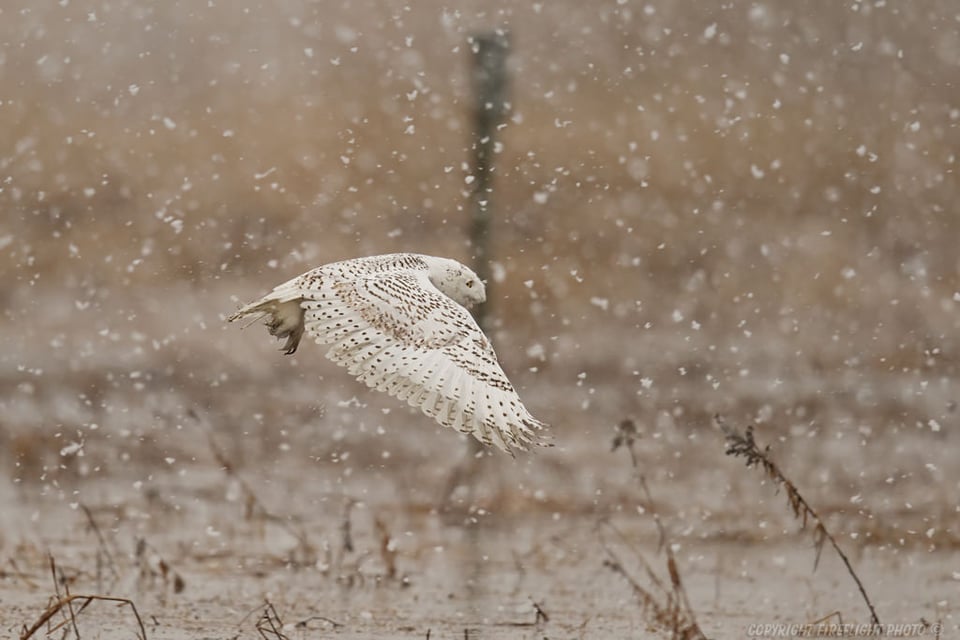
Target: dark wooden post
column 488, row 76
column 489, row 80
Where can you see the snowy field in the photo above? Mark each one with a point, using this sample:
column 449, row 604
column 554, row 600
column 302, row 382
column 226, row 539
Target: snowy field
column 295, row 487
column 747, row 211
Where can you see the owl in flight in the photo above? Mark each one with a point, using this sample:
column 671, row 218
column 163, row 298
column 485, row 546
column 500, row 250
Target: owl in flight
column 400, row 323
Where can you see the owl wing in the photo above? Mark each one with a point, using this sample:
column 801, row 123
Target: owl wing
column 397, row 333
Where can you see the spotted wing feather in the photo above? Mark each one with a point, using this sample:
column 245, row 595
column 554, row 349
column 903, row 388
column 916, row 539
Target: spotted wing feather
column 398, row 334
column 384, row 320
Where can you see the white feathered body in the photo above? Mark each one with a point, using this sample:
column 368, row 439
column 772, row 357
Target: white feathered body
column 397, row 323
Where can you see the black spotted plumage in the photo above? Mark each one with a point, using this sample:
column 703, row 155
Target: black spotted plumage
column 398, row 324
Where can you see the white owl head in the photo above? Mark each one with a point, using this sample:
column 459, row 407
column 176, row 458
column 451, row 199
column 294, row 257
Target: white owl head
column 456, row 281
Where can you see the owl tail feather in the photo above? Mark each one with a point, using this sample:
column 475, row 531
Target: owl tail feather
column 284, row 318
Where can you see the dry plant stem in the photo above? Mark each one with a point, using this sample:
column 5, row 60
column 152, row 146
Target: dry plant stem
column 521, row 571
column 152, row 564
column 56, row 590
column 20, row 574
column 346, row 536
column 463, row 474
column 304, row 624
column 744, row 446
column 674, row 572
column 66, row 602
column 253, row 504
column 388, row 554
column 667, row 607
column 270, row 622
column 85, row 600
column 835, row 614
column 102, row 549
column 540, row 616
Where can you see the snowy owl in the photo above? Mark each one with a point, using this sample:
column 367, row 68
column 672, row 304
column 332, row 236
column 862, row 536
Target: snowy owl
column 399, row 323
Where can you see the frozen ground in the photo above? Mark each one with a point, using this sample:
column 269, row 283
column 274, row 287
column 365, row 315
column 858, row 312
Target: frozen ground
column 241, row 480
column 452, row 579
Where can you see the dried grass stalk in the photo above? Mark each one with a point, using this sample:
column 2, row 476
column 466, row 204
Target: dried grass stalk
column 254, row 509
column 154, row 568
column 743, row 445
column 67, row 603
column 64, row 604
column 269, row 625
column 666, row 606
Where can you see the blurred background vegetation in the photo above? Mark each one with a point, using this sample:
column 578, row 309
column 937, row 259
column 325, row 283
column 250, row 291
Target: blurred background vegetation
column 724, row 202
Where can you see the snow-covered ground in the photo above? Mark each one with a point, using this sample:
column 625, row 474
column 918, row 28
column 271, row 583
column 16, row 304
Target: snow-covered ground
column 439, row 544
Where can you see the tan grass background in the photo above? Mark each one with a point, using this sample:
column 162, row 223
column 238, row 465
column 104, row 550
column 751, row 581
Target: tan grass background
column 752, row 206
column 743, row 207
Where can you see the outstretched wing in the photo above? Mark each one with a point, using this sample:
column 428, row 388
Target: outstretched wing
column 397, row 333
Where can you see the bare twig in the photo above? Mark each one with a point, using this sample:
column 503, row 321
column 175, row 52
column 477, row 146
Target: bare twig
column 58, row 579
column 270, row 625
column 743, row 445
column 19, row 573
column 388, row 549
column 270, row 622
column 627, row 434
column 305, row 623
column 152, row 565
column 935, row 627
column 835, row 614
column 254, row 507
column 346, row 536
column 675, row 581
column 521, row 571
column 53, row 574
column 252, row 504
column 67, row 601
column 103, row 549
column 666, row 606
column 540, row 616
